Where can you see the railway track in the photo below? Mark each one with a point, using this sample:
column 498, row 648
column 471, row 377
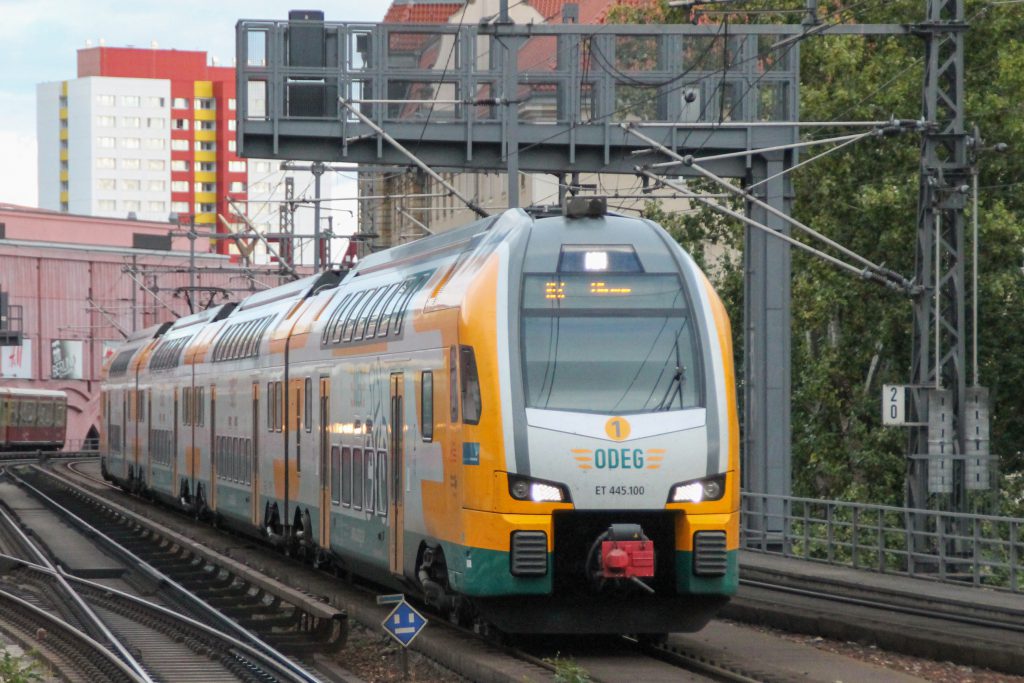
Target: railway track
column 179, row 623
column 460, row 650
column 960, row 631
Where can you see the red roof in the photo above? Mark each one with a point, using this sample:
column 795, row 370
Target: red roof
column 591, row 11
column 414, row 13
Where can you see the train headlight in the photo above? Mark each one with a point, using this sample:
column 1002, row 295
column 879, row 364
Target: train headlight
column 525, row 488
column 711, row 488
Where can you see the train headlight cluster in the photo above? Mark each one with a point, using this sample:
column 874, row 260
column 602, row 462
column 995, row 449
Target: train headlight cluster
column 711, row 488
column 524, row 488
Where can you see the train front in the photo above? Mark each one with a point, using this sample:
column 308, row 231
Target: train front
column 624, row 430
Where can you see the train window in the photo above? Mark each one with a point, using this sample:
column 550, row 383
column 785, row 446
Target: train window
column 236, row 468
column 373, row 318
column 201, row 405
column 345, row 325
column 335, row 474
column 248, row 461
column 382, row 482
column 186, row 406
column 471, row 402
column 403, row 305
column 354, row 315
column 332, row 323
column 307, row 414
column 453, row 384
column 357, row 478
column 386, row 317
column 46, row 414
column 346, row 475
column 270, row 406
column 28, row 412
column 427, row 405
column 279, row 399
column 364, row 313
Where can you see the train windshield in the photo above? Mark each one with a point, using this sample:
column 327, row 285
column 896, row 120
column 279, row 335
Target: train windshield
column 610, row 344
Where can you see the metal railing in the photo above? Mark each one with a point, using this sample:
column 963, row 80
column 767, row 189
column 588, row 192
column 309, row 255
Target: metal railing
column 967, row 549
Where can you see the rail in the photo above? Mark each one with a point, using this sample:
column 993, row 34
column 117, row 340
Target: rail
column 950, row 547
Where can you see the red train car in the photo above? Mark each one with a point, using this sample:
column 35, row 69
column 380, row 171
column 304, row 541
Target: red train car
column 32, row 419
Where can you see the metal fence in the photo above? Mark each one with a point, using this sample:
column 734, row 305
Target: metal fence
column 978, row 550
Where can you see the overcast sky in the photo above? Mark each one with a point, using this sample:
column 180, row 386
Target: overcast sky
column 39, row 40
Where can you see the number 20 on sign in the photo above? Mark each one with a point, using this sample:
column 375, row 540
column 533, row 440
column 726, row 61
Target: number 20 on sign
column 894, row 404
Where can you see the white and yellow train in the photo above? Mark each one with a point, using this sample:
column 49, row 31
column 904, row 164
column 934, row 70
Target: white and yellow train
column 529, row 419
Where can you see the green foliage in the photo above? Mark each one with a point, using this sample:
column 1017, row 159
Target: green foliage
column 18, row 669
column 567, row 670
column 849, row 337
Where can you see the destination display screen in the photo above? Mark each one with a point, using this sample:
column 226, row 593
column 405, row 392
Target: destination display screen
column 603, row 290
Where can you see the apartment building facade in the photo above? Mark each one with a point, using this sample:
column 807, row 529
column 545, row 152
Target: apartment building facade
column 151, row 134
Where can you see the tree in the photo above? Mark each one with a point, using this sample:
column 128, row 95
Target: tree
column 849, row 336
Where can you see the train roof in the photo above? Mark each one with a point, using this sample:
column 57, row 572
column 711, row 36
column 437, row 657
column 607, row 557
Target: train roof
column 40, row 393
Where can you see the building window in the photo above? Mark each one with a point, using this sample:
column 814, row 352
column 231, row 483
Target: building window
column 104, row 162
column 105, row 100
column 130, row 185
column 105, row 142
column 179, row 207
column 232, row 147
column 205, row 103
column 156, row 164
column 106, row 184
column 180, row 124
column 180, row 164
column 232, row 103
column 232, row 124
column 261, row 166
column 104, row 121
column 106, row 205
column 131, row 205
column 236, row 166
column 155, row 207
column 260, row 188
column 179, row 186
column 130, row 101
column 131, row 164
column 180, row 145
column 206, row 125
column 237, row 186
column 203, row 146
column 155, row 122
column 155, row 143
column 130, row 143
column 207, row 166
column 205, row 207
column 179, row 103
column 131, row 121
column 156, row 186
column 153, row 101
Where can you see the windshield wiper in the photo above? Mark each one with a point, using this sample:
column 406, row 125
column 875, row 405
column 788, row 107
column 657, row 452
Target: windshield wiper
column 675, row 388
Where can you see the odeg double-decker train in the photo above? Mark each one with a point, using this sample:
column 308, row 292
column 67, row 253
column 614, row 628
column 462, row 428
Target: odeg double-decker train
column 529, row 420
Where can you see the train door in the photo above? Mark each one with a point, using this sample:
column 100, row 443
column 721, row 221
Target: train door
column 254, row 491
column 325, row 463
column 396, row 511
column 174, row 445
column 149, row 438
column 125, row 433
column 213, row 447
